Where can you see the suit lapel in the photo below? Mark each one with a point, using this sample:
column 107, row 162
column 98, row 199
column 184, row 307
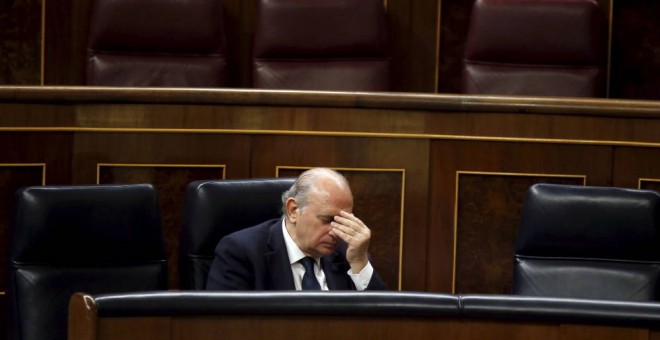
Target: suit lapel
column 277, row 260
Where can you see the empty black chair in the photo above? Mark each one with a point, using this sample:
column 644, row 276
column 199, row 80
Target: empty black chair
column 67, row 239
column 589, row 242
column 214, row 209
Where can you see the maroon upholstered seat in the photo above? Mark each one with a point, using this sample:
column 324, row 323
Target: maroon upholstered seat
column 321, row 45
column 177, row 43
column 536, row 47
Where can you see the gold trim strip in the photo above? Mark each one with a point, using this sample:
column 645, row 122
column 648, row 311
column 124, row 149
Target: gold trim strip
column 640, row 180
column 337, row 134
column 403, row 195
column 42, row 165
column 158, row 165
column 509, row 174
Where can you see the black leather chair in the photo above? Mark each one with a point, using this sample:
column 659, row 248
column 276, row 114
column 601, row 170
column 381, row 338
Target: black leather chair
column 589, row 242
column 157, row 43
column 214, row 209
column 338, row 45
column 67, row 239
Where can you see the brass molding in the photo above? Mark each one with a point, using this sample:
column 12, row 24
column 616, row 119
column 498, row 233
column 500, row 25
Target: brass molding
column 403, row 198
column 485, row 173
column 157, row 165
column 42, row 165
column 640, row 180
column 336, row 134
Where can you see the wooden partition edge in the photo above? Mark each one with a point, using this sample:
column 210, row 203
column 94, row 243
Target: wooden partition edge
column 83, row 317
column 294, row 98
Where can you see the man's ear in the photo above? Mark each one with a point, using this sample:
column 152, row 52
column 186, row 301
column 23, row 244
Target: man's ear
column 292, row 209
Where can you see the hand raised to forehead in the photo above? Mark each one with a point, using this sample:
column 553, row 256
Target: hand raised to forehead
column 357, row 236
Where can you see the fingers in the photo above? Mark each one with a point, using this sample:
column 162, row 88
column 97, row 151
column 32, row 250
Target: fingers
column 350, row 228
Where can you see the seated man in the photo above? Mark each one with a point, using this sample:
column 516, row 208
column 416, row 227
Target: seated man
column 318, row 231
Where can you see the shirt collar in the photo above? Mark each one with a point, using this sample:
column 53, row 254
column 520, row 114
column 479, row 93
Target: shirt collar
column 295, row 254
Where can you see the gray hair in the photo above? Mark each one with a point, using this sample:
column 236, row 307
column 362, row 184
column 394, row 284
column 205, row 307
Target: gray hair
column 306, row 182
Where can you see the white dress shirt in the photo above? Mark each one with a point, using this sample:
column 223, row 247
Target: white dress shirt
column 361, row 279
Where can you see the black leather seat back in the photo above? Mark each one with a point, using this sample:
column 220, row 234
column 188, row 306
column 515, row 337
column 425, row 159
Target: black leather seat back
column 536, row 48
column 214, row 209
column 157, row 43
column 589, row 242
column 331, row 45
column 103, row 239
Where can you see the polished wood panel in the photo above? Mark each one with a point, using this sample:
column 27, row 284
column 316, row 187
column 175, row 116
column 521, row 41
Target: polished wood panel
column 487, row 216
column 269, row 152
column 635, row 36
column 586, row 332
column 20, row 42
column 454, row 24
column 346, row 327
column 634, row 164
column 448, row 158
column 170, row 182
column 65, row 41
column 649, row 184
column 378, row 202
column 414, row 39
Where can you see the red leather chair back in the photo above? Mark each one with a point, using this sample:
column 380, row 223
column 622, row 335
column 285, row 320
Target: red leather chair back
column 177, row 43
column 536, row 47
column 321, row 45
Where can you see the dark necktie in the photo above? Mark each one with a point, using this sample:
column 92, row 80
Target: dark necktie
column 309, row 281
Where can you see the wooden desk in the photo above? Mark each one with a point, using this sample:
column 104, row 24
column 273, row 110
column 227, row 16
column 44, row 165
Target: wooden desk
column 384, row 316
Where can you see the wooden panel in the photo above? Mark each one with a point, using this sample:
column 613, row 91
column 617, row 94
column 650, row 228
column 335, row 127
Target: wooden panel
column 269, row 152
column 136, row 328
column 368, row 328
column 309, row 327
column 20, row 42
column 650, row 184
column 66, row 41
column 635, row 69
column 589, row 332
column 493, row 330
column 413, row 26
column 454, row 22
column 450, row 157
column 631, row 165
column 378, row 202
column 487, row 216
column 170, row 181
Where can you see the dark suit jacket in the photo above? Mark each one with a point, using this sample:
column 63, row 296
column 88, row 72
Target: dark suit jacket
column 256, row 259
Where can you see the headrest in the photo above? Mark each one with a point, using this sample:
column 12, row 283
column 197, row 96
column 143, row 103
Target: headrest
column 78, row 225
column 217, row 208
column 166, row 26
column 590, row 222
column 320, row 28
column 552, row 32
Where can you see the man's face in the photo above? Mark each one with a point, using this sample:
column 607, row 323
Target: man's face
column 312, row 222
